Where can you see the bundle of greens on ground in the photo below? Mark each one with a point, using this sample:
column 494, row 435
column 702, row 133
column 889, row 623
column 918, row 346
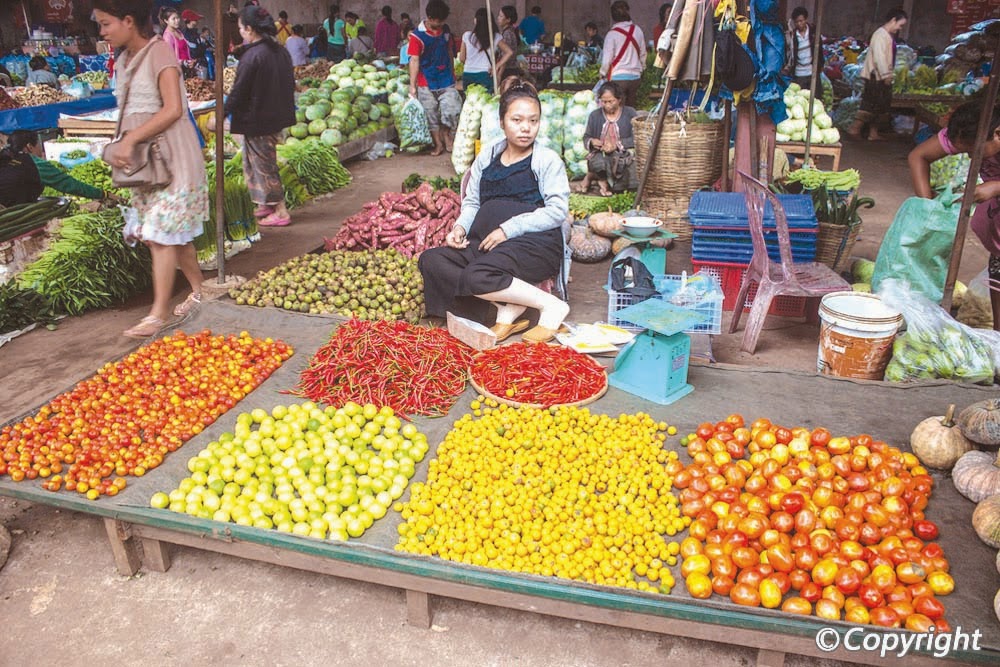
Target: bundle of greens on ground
column 88, row 265
column 316, row 164
column 21, row 307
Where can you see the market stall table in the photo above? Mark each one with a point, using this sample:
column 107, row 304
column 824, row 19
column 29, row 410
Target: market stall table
column 827, row 150
column 103, row 123
column 854, row 406
column 47, row 116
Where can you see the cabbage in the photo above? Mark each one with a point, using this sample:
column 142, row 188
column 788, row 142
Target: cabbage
column 797, row 112
column 831, row 135
column 785, row 127
column 794, row 87
column 782, row 138
column 823, row 121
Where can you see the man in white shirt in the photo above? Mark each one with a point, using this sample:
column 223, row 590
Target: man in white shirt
column 800, row 41
column 624, row 54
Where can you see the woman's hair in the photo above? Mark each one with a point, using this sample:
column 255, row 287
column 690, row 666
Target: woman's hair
column 611, row 87
column 895, row 14
column 283, row 15
column 138, row 10
column 965, row 121
column 297, row 29
column 510, row 12
column 259, row 20
column 620, row 11
column 165, row 14
column 482, row 29
column 800, row 11
column 664, row 8
column 37, row 63
column 20, row 139
column 351, row 15
column 516, row 88
column 590, row 26
column 334, row 15
column 387, row 12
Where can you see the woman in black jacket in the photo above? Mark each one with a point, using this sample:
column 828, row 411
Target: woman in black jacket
column 262, row 104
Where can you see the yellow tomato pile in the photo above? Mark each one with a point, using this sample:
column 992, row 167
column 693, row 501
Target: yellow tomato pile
column 125, row 419
column 558, row 492
column 810, row 523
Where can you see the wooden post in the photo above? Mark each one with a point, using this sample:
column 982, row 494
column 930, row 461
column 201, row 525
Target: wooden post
column 220, row 156
column 684, row 32
column 727, row 129
column 123, row 547
column 418, row 609
column 970, row 182
column 817, row 48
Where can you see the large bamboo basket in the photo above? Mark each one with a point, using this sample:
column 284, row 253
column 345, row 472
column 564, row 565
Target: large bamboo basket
column 834, row 244
column 689, row 156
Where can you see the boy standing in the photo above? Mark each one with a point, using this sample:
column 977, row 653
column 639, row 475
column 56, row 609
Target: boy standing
column 432, row 75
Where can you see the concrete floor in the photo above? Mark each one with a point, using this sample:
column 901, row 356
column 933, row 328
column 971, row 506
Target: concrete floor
column 62, row 601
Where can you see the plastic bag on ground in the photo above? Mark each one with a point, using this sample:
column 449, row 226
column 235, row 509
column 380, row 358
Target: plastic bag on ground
column 934, row 345
column 976, row 310
column 411, row 122
column 917, row 246
column 381, row 149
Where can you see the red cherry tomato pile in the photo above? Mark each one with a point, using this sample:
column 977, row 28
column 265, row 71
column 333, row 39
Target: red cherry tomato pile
column 813, row 524
column 125, row 419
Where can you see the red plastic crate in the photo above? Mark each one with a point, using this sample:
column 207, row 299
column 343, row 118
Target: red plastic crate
column 730, row 277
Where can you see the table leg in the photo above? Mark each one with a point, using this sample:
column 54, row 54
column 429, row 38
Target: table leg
column 418, row 609
column 156, row 555
column 124, row 548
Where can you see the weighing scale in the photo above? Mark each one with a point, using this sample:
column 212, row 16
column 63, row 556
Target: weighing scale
column 654, row 257
column 654, row 365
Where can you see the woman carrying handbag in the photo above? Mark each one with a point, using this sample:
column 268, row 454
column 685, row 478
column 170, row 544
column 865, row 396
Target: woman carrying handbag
column 153, row 109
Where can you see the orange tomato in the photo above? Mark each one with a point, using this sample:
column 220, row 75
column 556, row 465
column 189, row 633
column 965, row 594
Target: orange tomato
column 745, row 594
column 698, row 586
column 769, row 593
column 941, row 583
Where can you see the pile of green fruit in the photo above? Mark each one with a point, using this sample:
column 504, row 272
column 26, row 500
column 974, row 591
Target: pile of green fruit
column 337, row 115
column 326, row 474
column 949, row 353
column 376, row 285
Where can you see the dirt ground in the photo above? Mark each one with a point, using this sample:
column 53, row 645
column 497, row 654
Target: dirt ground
column 62, row 601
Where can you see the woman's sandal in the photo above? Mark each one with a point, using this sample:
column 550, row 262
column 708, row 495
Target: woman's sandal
column 147, row 326
column 538, row 334
column 274, row 220
column 505, row 331
column 263, row 211
column 186, row 306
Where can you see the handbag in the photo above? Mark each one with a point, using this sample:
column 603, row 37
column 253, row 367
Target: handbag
column 149, row 163
column 622, row 171
column 631, row 276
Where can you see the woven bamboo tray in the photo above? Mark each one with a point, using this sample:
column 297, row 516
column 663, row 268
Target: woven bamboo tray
column 519, row 404
column 689, row 156
column 834, row 244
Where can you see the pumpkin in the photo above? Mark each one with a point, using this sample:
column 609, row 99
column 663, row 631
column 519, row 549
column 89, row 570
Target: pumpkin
column 587, row 246
column 996, row 605
column 938, row 443
column 620, row 244
column 980, row 422
column 977, row 475
column 986, row 521
column 606, row 224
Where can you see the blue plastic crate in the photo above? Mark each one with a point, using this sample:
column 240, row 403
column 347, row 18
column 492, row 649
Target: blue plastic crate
column 729, row 209
column 707, row 299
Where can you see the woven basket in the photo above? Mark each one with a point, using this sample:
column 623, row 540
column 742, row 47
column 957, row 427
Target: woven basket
column 673, row 211
column 689, row 156
column 834, row 244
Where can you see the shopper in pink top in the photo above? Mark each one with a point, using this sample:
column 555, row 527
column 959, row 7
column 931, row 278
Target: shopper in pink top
column 387, row 34
column 170, row 19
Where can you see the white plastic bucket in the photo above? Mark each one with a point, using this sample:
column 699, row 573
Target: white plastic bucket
column 855, row 335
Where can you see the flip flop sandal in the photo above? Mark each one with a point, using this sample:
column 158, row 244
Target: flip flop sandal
column 274, row 220
column 505, row 331
column 263, row 211
column 538, row 334
column 147, row 326
column 188, row 304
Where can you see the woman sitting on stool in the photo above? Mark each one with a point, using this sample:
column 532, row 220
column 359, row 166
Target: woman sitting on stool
column 611, row 146
column 509, row 234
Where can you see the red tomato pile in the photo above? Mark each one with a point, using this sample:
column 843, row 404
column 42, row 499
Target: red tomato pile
column 811, row 523
column 125, row 419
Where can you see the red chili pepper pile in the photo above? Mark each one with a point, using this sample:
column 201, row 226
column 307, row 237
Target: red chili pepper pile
column 413, row 370
column 538, row 373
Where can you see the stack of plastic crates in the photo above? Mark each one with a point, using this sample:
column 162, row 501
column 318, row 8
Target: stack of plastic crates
column 721, row 245
column 700, row 292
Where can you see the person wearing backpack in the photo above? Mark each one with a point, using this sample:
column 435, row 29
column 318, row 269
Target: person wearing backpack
column 624, row 55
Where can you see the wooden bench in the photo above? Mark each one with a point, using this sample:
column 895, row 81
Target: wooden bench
column 799, row 148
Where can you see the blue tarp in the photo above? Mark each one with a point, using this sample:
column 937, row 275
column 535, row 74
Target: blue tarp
column 47, row 115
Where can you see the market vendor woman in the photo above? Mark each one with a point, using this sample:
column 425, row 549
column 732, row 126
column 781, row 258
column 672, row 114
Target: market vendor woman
column 24, row 173
column 610, row 144
column 509, row 234
column 960, row 137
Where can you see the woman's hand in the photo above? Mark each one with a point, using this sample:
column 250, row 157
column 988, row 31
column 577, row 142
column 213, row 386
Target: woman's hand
column 456, row 238
column 121, row 153
column 493, row 239
column 987, row 190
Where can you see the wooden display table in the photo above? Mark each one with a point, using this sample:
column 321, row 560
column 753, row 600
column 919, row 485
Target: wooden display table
column 799, row 148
